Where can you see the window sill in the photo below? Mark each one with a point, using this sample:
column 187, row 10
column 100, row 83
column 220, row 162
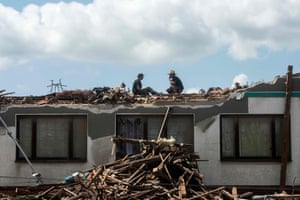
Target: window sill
column 52, row 161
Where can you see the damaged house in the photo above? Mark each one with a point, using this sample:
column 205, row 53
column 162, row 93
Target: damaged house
column 248, row 136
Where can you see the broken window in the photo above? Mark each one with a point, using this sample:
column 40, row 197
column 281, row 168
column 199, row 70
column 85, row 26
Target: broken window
column 181, row 127
column 251, row 137
column 52, row 137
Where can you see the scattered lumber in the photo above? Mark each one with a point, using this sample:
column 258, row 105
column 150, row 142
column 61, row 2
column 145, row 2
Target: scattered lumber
column 161, row 170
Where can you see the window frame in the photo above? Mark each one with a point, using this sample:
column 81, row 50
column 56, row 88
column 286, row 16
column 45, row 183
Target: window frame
column 70, row 155
column 236, row 146
column 151, row 116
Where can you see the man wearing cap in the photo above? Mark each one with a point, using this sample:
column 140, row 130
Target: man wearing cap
column 176, row 86
column 137, row 87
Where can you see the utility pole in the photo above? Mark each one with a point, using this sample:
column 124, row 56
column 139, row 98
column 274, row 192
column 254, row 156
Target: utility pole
column 285, row 145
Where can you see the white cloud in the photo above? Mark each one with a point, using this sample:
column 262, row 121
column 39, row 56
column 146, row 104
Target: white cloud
column 242, row 79
column 137, row 32
column 4, row 62
column 192, row 91
column 152, row 50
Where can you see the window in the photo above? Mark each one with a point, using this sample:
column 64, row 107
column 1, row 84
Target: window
column 52, row 137
column 180, row 127
column 251, row 137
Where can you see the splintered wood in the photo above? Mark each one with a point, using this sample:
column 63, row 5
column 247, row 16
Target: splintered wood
column 162, row 170
column 159, row 171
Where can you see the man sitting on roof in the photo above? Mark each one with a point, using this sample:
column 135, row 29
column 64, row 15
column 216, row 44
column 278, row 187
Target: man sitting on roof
column 137, row 87
column 176, row 86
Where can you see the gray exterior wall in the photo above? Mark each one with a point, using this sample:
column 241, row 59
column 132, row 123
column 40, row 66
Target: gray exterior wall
column 101, row 128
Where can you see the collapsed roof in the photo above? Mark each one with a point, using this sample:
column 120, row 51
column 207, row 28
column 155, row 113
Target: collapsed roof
column 105, row 95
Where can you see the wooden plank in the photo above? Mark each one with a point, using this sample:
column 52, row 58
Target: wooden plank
column 207, row 193
column 163, row 123
column 234, row 193
column 286, row 131
column 182, row 187
column 227, row 194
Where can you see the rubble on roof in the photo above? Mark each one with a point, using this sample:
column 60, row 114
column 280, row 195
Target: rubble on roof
column 3, row 96
column 106, row 95
column 118, row 95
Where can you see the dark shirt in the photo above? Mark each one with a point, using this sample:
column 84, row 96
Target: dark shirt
column 137, row 86
column 177, row 83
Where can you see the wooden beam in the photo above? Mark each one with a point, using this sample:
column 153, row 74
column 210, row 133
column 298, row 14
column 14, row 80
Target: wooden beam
column 163, row 123
column 286, row 127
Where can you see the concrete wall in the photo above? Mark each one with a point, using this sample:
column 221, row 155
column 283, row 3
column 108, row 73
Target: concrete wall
column 101, row 127
column 293, row 172
column 19, row 173
column 216, row 172
column 100, row 132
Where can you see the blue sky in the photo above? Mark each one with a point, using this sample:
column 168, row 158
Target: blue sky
column 94, row 43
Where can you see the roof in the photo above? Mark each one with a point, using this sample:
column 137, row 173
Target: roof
column 108, row 95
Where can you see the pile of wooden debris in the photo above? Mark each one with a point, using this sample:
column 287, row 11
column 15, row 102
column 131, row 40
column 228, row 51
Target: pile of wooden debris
column 162, row 170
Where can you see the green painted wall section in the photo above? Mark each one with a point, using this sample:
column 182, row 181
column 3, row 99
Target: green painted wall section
column 270, row 94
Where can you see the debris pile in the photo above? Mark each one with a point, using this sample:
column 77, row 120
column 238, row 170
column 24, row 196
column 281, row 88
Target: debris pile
column 3, row 96
column 111, row 96
column 116, row 95
column 162, row 170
